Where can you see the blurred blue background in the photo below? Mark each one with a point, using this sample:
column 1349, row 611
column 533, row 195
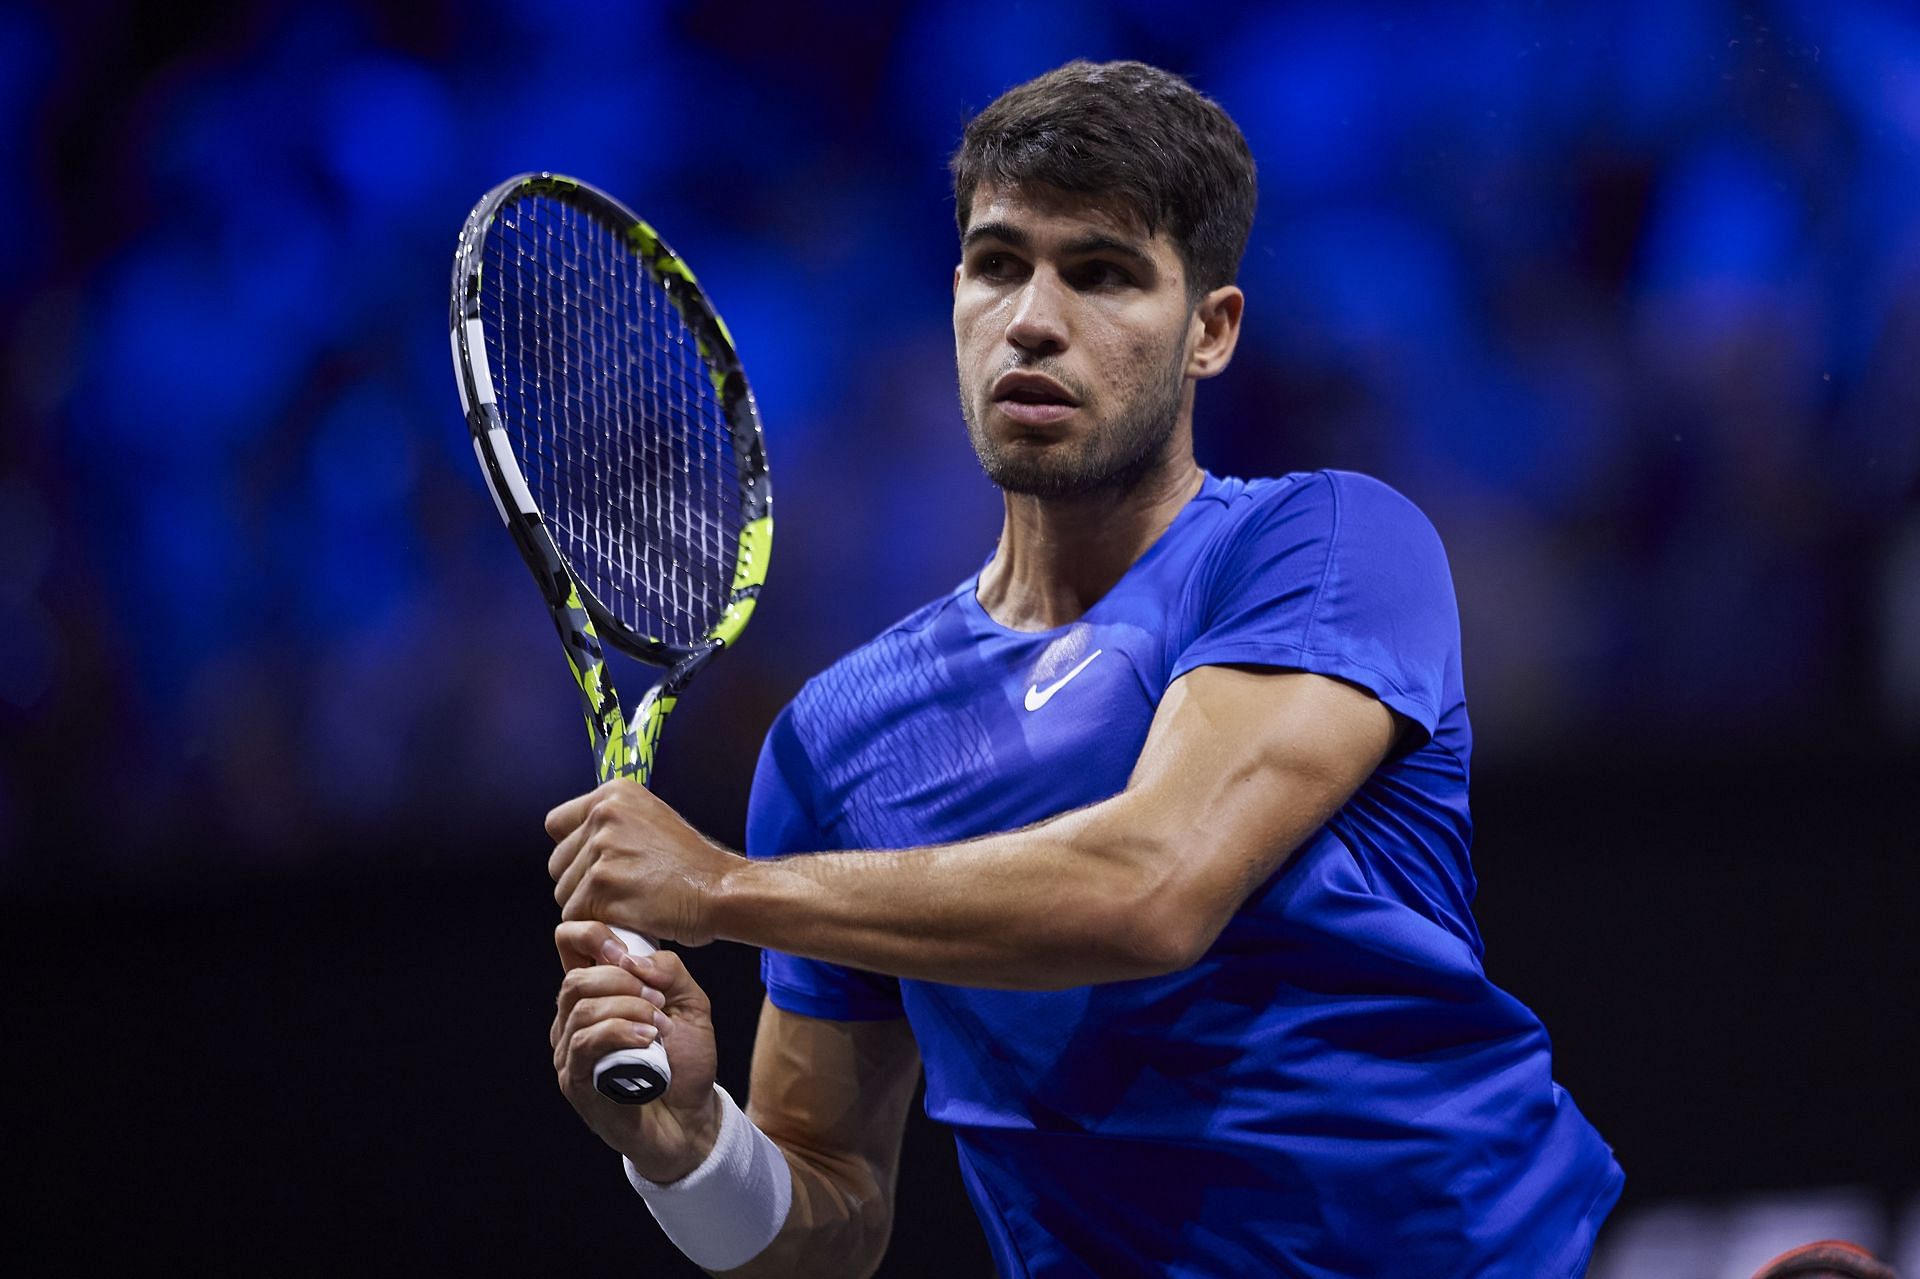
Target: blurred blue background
column 1628, row 299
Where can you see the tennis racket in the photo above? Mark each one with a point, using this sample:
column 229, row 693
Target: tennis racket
column 622, row 447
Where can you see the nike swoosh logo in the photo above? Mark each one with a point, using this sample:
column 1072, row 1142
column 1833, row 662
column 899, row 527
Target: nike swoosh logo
column 1038, row 697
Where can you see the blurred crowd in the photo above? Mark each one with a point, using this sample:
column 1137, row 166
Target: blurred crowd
column 1628, row 299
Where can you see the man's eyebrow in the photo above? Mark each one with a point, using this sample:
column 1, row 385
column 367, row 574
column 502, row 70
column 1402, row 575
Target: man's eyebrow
column 1087, row 245
column 1005, row 232
column 1093, row 242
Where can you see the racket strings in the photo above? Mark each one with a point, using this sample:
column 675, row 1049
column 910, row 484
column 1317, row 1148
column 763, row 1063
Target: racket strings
column 619, row 429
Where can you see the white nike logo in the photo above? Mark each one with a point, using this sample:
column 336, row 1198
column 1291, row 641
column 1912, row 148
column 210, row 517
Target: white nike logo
column 1038, row 697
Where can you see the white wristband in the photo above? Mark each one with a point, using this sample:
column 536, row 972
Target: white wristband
column 725, row 1212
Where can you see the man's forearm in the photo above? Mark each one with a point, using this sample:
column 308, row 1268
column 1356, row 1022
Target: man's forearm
column 1089, row 896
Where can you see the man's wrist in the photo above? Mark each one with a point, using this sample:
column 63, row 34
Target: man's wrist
column 776, row 902
column 702, row 1128
column 727, row 1210
column 728, row 898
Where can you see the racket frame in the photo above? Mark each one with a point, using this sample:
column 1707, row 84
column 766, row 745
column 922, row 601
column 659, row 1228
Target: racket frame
column 623, row 745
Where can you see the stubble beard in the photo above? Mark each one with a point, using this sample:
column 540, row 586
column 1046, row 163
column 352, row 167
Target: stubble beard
column 1115, row 457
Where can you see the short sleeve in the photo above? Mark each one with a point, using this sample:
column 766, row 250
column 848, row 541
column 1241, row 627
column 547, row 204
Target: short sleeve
column 1339, row 575
column 780, row 821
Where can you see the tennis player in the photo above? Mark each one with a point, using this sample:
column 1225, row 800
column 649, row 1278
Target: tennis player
column 1150, row 841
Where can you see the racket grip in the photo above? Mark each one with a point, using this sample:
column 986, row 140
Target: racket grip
column 633, row 1076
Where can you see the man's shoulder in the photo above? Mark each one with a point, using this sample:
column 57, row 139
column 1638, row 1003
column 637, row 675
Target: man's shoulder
column 1328, row 486
column 1328, row 504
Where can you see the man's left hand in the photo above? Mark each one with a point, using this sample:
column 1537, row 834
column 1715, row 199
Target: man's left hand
column 621, row 856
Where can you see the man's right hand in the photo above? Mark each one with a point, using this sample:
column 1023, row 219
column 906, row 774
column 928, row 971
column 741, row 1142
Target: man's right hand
column 609, row 1000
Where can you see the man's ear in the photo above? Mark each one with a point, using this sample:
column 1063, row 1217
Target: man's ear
column 1215, row 331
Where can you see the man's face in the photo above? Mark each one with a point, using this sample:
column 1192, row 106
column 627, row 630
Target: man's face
column 1071, row 331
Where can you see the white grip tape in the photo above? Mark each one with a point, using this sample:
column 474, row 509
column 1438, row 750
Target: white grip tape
column 654, row 1054
column 724, row 1213
column 637, row 946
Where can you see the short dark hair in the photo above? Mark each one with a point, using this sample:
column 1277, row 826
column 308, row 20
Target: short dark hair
column 1131, row 134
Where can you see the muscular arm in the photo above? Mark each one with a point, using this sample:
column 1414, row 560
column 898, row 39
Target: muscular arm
column 1239, row 768
column 833, row 1095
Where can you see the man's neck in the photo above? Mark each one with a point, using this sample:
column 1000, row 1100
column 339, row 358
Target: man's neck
column 1059, row 555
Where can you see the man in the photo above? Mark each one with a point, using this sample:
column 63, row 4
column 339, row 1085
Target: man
column 1173, row 890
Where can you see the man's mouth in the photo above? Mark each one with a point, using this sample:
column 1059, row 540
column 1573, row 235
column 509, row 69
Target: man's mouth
column 1033, row 399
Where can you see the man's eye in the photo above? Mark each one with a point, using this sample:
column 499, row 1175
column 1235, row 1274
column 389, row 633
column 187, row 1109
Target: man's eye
column 995, row 264
column 1096, row 275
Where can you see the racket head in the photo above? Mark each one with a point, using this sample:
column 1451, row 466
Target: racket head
column 612, row 419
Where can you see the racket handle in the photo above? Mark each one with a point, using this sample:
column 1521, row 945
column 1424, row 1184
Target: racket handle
column 633, row 1076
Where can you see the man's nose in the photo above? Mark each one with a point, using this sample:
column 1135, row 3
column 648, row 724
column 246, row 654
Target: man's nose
column 1038, row 324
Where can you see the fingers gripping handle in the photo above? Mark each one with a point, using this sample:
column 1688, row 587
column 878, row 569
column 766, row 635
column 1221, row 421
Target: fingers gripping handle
column 633, row 1076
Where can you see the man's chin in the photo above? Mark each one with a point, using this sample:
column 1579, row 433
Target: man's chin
column 1034, row 481
column 1033, row 470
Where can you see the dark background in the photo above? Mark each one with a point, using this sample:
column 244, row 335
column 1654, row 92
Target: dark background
column 1628, row 300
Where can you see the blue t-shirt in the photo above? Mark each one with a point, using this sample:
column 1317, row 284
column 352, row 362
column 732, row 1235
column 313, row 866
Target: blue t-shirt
column 1335, row 1089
